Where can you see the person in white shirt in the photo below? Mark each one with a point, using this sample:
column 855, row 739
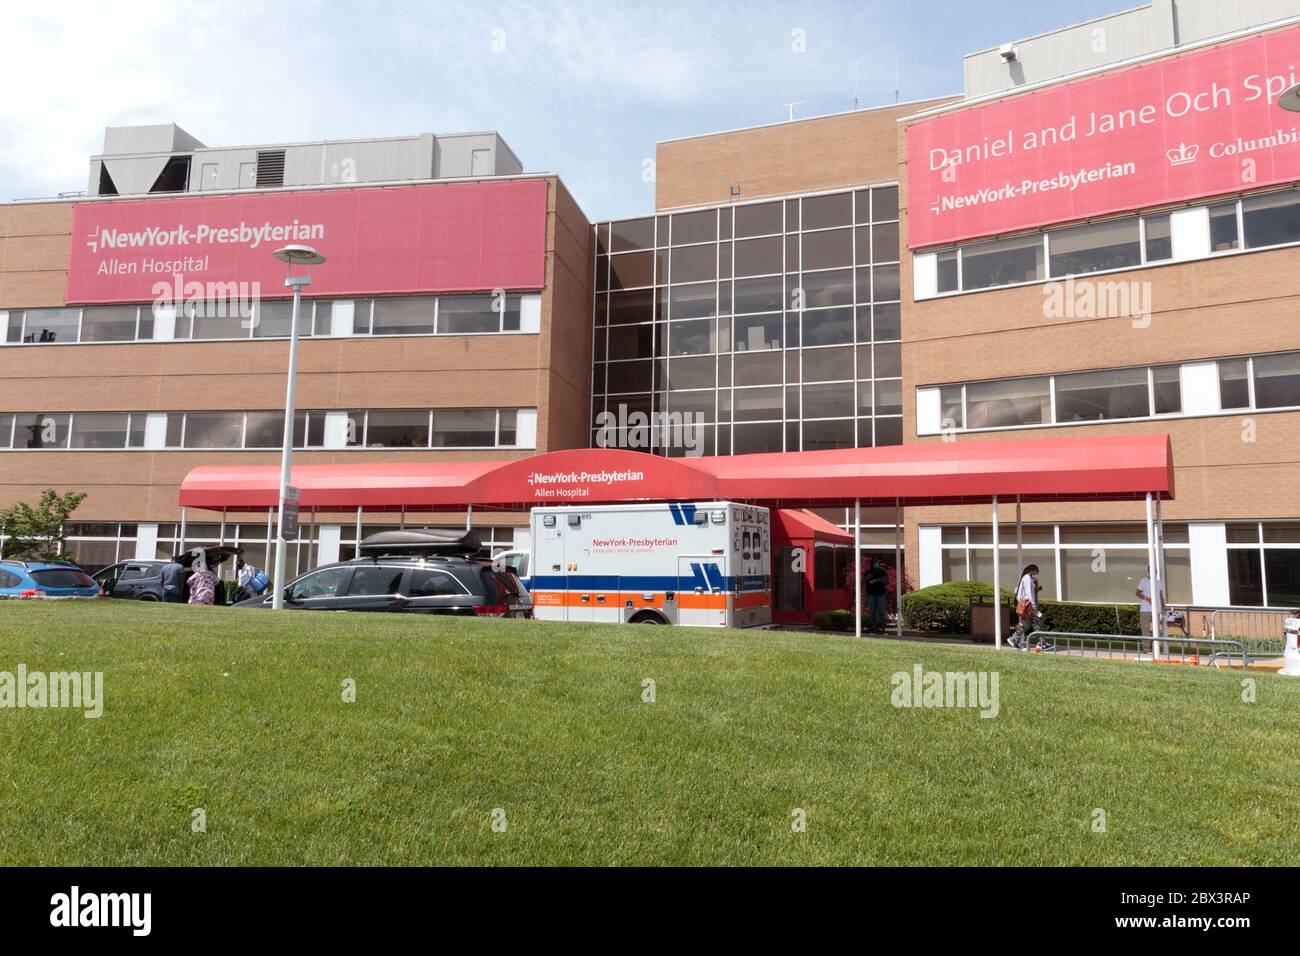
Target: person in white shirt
column 1027, row 608
column 1143, row 593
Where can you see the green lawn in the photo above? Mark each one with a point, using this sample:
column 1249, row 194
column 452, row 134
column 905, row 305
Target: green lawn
column 240, row 713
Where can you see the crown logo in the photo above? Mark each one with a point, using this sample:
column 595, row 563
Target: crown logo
column 1183, row 155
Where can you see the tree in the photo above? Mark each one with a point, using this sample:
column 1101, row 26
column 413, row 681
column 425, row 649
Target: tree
column 37, row 533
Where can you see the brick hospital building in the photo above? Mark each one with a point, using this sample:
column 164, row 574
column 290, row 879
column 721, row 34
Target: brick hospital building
column 1098, row 235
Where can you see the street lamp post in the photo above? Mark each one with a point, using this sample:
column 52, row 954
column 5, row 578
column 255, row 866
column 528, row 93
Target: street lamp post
column 303, row 257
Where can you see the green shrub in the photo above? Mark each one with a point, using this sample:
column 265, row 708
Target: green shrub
column 1091, row 618
column 837, row 620
column 944, row 607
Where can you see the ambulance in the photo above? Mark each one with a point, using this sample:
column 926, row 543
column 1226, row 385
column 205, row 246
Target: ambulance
column 700, row 565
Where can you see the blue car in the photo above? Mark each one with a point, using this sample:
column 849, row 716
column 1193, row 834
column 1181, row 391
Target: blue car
column 45, row 579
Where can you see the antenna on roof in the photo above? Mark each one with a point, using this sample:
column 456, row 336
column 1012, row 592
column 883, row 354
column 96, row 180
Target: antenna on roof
column 856, row 63
column 791, row 106
column 895, row 76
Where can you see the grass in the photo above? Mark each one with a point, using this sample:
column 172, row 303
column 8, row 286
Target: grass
column 240, row 713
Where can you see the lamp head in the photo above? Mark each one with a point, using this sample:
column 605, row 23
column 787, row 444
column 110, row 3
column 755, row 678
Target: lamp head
column 299, row 256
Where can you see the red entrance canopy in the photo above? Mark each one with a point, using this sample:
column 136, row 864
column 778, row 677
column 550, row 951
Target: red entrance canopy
column 1102, row 467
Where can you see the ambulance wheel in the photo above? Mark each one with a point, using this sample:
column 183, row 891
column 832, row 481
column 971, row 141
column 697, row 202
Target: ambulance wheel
column 647, row 617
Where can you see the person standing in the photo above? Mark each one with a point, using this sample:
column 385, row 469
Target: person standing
column 876, row 583
column 246, row 580
column 203, row 583
column 172, row 576
column 1144, row 595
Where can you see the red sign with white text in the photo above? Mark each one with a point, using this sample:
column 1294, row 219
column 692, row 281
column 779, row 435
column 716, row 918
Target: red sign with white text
column 452, row 237
column 1190, row 126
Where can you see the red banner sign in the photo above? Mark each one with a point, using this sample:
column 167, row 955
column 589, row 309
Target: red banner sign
column 453, row 237
column 1190, row 126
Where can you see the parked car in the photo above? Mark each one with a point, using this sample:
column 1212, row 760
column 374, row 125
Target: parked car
column 418, row 571
column 45, row 578
column 142, row 580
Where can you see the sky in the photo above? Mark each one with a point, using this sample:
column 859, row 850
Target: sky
column 581, row 89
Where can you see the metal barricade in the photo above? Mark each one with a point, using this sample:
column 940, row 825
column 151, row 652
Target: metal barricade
column 1261, row 631
column 1199, row 651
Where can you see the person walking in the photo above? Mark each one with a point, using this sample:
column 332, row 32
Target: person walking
column 172, row 577
column 875, row 582
column 1026, row 606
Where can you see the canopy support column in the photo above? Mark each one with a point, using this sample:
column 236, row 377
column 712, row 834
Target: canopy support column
column 898, row 568
column 1152, row 581
column 997, row 580
column 857, row 567
column 1160, row 570
column 1020, row 539
column 180, row 545
column 358, row 551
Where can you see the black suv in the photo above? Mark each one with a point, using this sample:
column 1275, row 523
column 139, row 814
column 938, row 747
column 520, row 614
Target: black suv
column 419, row 571
column 142, row 580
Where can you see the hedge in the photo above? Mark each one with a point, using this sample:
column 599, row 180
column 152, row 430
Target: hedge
column 838, row 620
column 946, row 608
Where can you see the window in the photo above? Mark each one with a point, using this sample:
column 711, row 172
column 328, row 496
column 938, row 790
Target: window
column 691, row 227
column 1159, row 238
column 472, row 314
column 821, row 289
column 13, row 323
column 695, row 337
column 632, row 270
column 1002, row 262
column 831, row 249
column 214, row 429
column 762, row 219
column 1234, row 384
column 950, row 408
column 108, row 324
column 632, row 234
column 1272, row 219
column 375, row 581
column 217, row 320
column 266, row 430
column 51, row 325
column 827, row 364
column 397, row 429
column 322, row 584
column 464, row 427
column 1023, row 401
column 429, row 583
column 822, row 212
column 1277, row 380
column 824, row 568
column 756, row 257
column 1095, row 247
column 274, row 318
column 405, row 315
column 101, row 430
column 6, row 430
column 1223, row 227
column 41, row 430
column 1087, row 396
column 759, row 295
column 693, row 301
column 1167, row 389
